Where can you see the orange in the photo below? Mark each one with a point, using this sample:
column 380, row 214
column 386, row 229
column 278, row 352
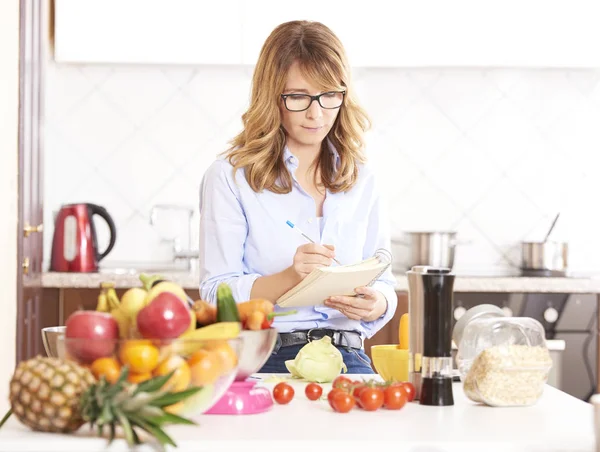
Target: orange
column 139, row 355
column 109, row 368
column 182, row 376
column 226, row 354
column 205, row 367
column 138, row 378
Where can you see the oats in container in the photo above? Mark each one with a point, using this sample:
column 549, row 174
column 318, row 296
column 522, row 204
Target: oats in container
column 503, row 361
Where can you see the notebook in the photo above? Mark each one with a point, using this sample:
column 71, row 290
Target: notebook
column 325, row 282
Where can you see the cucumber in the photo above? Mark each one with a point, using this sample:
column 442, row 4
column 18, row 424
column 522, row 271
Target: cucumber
column 227, row 310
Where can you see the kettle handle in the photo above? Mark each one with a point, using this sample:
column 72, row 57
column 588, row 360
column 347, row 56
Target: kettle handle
column 101, row 211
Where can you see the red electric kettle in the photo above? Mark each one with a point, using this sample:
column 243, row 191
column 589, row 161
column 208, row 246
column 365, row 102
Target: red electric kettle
column 75, row 245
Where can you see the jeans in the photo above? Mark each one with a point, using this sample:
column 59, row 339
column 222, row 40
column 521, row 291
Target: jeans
column 356, row 361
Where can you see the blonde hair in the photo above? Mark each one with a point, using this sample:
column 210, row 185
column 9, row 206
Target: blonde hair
column 259, row 148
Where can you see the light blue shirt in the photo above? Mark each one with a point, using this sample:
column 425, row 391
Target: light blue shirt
column 244, row 235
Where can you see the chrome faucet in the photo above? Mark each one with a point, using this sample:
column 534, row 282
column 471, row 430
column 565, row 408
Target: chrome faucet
column 179, row 252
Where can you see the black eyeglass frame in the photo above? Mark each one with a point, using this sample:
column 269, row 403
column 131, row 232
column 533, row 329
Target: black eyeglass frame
column 313, row 98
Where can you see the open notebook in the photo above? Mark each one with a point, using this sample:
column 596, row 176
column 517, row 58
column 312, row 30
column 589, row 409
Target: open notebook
column 325, row 282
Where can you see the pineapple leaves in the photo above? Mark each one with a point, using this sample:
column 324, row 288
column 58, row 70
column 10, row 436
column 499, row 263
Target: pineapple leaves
column 174, row 397
column 154, row 430
column 154, row 384
column 168, row 418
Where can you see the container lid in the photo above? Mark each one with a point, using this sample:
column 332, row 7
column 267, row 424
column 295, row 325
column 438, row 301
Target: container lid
column 476, row 312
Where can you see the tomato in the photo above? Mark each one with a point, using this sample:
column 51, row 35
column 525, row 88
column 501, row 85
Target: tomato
column 283, row 393
column 342, row 402
column 371, row 399
column 109, row 368
column 409, row 389
column 394, row 397
column 313, row 391
column 139, row 355
column 181, row 377
column 342, row 382
column 332, row 393
column 357, row 390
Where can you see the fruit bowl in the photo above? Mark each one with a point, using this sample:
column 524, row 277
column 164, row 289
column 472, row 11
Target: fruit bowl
column 210, row 364
column 258, row 346
column 243, row 397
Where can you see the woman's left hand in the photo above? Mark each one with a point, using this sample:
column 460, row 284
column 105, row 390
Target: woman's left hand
column 369, row 305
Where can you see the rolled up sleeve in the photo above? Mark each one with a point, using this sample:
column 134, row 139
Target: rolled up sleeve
column 378, row 237
column 223, row 232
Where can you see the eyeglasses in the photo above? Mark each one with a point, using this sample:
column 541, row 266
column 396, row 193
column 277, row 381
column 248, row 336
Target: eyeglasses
column 300, row 102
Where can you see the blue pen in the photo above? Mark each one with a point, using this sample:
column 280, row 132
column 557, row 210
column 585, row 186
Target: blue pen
column 293, row 226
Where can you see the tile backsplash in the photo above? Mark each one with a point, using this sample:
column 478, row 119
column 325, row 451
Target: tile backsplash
column 493, row 154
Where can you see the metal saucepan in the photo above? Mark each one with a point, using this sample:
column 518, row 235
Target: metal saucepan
column 435, row 248
column 545, row 256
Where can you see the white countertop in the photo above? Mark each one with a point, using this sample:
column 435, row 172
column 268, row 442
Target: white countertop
column 190, row 280
column 557, row 422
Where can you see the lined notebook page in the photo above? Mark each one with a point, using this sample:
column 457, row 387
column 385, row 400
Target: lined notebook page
column 325, row 282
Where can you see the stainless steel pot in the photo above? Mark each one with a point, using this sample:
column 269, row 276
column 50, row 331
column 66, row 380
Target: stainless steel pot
column 429, row 248
column 551, row 256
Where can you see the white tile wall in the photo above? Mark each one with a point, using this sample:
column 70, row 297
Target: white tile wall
column 492, row 154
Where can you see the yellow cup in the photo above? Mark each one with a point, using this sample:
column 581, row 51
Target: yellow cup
column 390, row 361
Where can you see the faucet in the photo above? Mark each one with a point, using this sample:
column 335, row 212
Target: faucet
column 179, row 252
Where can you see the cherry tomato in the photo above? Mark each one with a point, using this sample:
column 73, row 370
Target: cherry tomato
column 313, row 391
column 409, row 389
column 331, row 393
column 342, row 402
column 342, row 382
column 394, row 397
column 283, row 393
column 357, row 390
column 371, row 399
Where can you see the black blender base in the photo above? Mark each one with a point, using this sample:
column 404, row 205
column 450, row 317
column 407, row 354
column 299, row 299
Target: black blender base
column 436, row 392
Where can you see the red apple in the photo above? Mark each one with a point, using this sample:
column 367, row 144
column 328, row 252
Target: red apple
column 91, row 335
column 165, row 317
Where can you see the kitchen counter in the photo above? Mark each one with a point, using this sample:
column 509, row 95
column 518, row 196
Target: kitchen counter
column 557, row 422
column 190, row 280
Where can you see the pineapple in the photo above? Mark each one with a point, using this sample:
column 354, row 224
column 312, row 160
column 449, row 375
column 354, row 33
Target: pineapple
column 54, row 395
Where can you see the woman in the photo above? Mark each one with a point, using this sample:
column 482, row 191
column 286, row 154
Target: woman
column 299, row 158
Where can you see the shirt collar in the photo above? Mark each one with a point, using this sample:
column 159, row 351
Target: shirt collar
column 292, row 161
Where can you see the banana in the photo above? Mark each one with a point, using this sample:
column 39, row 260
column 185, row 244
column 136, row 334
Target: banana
column 193, row 340
column 113, row 299
column 123, row 322
column 102, row 305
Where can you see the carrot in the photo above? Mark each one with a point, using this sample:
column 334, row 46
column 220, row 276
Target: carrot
column 248, row 307
column 205, row 313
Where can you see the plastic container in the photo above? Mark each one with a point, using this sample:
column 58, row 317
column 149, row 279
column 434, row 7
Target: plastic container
column 502, row 361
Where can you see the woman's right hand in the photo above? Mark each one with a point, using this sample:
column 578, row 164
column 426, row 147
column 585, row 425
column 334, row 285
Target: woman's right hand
column 311, row 256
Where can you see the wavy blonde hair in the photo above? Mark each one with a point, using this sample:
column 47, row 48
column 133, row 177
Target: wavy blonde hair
column 259, row 148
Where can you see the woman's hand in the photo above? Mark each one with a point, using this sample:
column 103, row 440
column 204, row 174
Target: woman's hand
column 370, row 305
column 310, row 256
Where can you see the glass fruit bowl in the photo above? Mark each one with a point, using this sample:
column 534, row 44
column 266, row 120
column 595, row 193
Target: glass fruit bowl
column 209, row 364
